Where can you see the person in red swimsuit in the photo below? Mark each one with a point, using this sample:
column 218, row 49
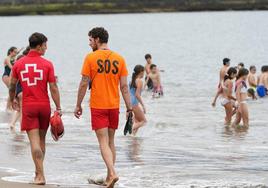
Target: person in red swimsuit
column 35, row 73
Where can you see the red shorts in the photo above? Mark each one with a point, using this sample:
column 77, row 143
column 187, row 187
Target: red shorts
column 104, row 118
column 35, row 116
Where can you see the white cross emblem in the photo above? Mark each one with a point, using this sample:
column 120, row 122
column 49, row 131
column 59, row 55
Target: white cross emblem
column 31, row 75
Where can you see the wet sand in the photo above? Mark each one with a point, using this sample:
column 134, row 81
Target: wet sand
column 6, row 184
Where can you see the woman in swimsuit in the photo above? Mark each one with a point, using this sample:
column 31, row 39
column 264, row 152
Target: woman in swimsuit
column 135, row 87
column 8, row 64
column 227, row 100
column 241, row 96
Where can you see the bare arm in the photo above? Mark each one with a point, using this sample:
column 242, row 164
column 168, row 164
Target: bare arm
column 7, row 62
column 230, row 90
column 266, row 81
column 238, row 91
column 82, row 90
column 12, row 88
column 125, row 92
column 55, row 94
column 138, row 92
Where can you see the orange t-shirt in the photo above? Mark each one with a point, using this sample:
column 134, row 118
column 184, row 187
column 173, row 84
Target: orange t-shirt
column 104, row 68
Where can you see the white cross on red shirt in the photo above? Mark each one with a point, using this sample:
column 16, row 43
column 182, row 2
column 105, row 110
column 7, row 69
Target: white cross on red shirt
column 31, row 74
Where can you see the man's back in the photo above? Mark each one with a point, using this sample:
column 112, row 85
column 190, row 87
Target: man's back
column 34, row 73
column 104, row 67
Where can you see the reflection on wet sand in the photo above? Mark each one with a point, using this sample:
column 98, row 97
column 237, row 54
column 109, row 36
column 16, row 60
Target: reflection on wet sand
column 134, row 153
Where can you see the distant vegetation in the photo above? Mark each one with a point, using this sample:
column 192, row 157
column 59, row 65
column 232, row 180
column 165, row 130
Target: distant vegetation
column 40, row 7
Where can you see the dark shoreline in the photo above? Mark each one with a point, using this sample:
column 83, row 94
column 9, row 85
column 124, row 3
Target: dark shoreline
column 115, row 7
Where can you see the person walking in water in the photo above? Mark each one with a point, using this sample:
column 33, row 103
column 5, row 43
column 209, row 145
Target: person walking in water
column 223, row 71
column 154, row 75
column 35, row 73
column 228, row 100
column 136, row 86
column 105, row 70
column 252, row 79
column 262, row 88
column 241, row 96
column 148, row 59
column 8, row 64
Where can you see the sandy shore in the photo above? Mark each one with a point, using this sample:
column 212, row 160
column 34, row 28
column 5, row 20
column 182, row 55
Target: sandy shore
column 6, row 184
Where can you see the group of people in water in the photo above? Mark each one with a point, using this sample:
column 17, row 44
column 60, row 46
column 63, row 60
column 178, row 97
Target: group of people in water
column 236, row 86
column 28, row 75
column 152, row 83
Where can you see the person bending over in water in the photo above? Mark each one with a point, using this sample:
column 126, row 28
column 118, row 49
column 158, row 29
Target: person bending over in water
column 263, row 82
column 148, row 59
column 155, row 77
column 252, row 94
column 241, row 96
column 135, row 88
column 223, row 71
column 227, row 98
column 252, row 80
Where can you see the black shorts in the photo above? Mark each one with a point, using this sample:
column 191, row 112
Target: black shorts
column 18, row 89
column 150, row 84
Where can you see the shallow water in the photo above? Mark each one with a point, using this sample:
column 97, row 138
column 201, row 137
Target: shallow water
column 184, row 143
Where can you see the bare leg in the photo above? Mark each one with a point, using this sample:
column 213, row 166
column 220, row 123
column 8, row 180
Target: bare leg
column 215, row 98
column 237, row 118
column 6, row 80
column 244, row 110
column 37, row 155
column 107, row 155
column 229, row 113
column 140, row 119
column 15, row 118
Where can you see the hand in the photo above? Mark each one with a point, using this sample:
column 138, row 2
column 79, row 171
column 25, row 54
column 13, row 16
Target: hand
column 78, row 111
column 128, row 113
column 213, row 104
column 144, row 109
column 15, row 105
column 59, row 111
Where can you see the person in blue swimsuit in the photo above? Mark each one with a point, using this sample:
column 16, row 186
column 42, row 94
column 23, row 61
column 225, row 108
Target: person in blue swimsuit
column 138, row 106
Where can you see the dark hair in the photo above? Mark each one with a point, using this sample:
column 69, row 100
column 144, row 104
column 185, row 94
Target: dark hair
column 137, row 70
column 252, row 67
column 11, row 49
column 241, row 64
column 242, row 72
column 264, row 68
column 26, row 51
column 99, row 32
column 230, row 71
column 148, row 56
column 225, row 61
column 152, row 66
column 252, row 93
column 37, row 39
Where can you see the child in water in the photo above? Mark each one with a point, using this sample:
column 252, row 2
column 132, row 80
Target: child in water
column 154, row 75
column 241, row 97
column 136, row 86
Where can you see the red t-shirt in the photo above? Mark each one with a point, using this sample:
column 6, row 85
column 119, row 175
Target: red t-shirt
column 34, row 73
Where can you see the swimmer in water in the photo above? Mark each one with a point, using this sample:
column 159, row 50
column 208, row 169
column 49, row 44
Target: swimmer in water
column 223, row 71
column 228, row 100
column 154, row 75
column 252, row 94
column 241, row 96
column 148, row 59
column 252, row 80
column 263, row 82
column 135, row 88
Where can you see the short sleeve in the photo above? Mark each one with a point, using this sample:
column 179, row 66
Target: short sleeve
column 15, row 72
column 124, row 71
column 86, row 67
column 51, row 74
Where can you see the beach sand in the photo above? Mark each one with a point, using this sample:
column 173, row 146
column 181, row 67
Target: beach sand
column 6, row 184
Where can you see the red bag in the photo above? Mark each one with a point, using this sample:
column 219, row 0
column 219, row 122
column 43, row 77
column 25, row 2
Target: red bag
column 57, row 128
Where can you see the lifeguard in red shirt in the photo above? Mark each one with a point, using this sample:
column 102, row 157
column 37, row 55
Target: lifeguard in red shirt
column 35, row 73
